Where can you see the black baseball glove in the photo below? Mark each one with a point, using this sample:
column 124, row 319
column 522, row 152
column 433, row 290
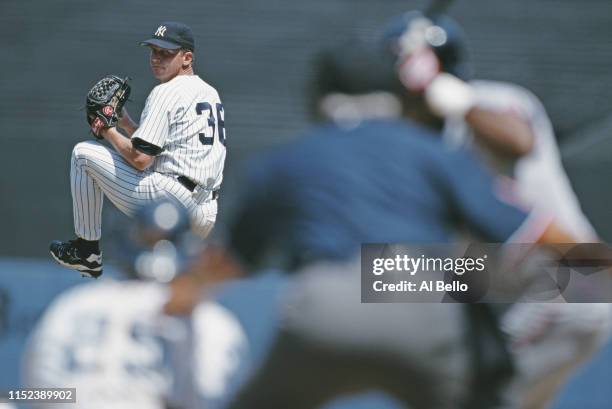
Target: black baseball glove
column 104, row 103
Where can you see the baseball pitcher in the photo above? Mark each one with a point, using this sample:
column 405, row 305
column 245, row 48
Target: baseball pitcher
column 177, row 151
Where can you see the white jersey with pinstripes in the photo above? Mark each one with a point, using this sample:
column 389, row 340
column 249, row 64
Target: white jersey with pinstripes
column 184, row 117
column 182, row 124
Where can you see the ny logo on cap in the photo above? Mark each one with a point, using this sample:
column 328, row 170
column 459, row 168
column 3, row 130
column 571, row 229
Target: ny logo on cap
column 161, row 30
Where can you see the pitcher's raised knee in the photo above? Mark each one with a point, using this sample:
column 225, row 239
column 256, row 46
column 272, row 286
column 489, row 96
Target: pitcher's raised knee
column 86, row 150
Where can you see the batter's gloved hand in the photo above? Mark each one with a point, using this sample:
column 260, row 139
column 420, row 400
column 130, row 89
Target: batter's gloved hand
column 450, row 97
column 104, row 103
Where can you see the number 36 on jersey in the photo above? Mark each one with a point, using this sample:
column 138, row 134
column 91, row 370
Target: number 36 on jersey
column 215, row 121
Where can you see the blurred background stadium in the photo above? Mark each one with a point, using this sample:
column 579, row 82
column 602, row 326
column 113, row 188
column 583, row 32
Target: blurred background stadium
column 257, row 55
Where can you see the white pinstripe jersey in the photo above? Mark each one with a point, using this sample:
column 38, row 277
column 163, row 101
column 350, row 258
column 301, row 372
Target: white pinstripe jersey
column 185, row 118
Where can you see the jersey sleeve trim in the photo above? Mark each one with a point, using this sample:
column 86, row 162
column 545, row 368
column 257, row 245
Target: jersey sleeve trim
column 146, row 147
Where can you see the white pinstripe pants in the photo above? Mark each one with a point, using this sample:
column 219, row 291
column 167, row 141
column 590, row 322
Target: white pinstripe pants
column 97, row 171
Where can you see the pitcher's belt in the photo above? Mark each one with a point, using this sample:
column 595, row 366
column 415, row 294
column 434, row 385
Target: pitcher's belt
column 191, row 185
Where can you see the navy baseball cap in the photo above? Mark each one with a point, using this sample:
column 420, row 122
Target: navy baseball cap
column 172, row 35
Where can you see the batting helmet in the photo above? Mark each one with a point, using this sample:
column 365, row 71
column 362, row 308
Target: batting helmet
column 439, row 32
column 354, row 68
column 159, row 243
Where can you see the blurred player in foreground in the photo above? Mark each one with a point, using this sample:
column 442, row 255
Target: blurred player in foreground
column 508, row 126
column 309, row 207
column 106, row 338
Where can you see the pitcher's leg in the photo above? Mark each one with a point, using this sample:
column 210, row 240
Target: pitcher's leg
column 202, row 215
column 203, row 218
column 87, row 201
column 98, row 170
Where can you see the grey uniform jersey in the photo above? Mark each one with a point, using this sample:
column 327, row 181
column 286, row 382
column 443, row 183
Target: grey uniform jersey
column 184, row 118
column 540, row 177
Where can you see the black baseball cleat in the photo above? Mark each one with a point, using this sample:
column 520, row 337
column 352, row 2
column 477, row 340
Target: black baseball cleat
column 71, row 255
